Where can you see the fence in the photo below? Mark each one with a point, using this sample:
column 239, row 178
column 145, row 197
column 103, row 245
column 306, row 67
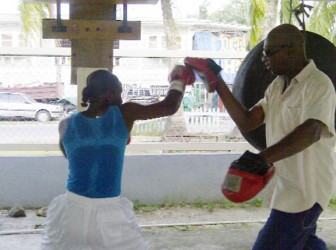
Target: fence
column 27, row 67
column 207, row 121
column 197, row 121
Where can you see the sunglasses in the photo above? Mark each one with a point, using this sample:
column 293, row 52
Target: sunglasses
column 271, row 52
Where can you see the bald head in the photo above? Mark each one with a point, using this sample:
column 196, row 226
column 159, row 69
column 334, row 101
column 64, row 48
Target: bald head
column 286, row 34
column 284, row 50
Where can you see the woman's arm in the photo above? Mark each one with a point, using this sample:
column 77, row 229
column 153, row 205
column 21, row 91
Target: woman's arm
column 168, row 106
column 62, row 128
column 178, row 78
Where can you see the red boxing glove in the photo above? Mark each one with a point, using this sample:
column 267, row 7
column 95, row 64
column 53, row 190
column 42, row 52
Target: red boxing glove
column 207, row 69
column 185, row 74
column 246, row 177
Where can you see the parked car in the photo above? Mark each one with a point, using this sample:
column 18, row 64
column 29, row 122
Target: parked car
column 21, row 105
column 69, row 105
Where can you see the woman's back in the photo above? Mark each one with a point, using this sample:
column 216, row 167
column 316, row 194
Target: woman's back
column 95, row 149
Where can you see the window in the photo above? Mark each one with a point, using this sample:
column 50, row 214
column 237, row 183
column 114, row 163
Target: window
column 16, row 99
column 66, row 43
column 178, row 42
column 116, row 61
column 22, row 40
column 6, row 40
column 116, row 44
column 226, row 43
column 4, row 97
column 163, row 42
column 235, row 45
column 152, row 42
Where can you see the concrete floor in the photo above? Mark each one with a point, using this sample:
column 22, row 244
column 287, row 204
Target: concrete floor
column 236, row 229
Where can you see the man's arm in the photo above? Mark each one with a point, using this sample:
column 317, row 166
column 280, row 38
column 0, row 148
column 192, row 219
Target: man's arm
column 209, row 72
column 246, row 120
column 298, row 140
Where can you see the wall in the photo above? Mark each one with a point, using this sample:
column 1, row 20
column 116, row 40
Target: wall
column 149, row 179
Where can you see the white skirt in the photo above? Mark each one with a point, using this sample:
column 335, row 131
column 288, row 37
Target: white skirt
column 76, row 222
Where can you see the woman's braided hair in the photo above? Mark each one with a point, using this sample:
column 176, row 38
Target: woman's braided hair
column 99, row 83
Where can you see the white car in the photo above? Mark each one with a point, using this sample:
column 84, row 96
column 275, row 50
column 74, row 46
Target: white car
column 21, row 105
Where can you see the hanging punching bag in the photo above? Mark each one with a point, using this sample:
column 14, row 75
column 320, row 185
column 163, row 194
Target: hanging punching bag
column 253, row 78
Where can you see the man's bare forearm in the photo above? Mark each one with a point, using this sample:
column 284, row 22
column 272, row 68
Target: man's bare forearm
column 239, row 114
column 298, row 140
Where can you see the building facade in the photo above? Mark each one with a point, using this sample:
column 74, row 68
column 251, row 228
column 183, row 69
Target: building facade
column 147, row 70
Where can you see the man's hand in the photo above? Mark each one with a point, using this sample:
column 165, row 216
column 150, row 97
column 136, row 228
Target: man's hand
column 246, row 177
column 207, row 69
column 251, row 163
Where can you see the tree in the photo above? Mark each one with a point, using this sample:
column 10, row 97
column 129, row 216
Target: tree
column 321, row 21
column 203, row 10
column 31, row 16
column 263, row 15
column 238, row 13
column 175, row 125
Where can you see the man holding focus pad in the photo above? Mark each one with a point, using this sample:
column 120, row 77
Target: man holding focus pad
column 298, row 110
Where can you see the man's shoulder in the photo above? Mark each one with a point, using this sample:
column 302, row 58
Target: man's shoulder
column 319, row 79
column 317, row 73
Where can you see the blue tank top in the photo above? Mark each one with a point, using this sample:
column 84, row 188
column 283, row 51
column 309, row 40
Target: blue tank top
column 95, row 149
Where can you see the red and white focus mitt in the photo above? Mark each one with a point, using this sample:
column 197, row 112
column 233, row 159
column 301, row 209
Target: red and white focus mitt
column 181, row 76
column 207, row 70
column 246, row 177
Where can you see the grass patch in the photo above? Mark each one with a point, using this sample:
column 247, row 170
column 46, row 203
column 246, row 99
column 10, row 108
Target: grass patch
column 257, row 202
column 198, row 204
column 332, row 203
column 209, row 206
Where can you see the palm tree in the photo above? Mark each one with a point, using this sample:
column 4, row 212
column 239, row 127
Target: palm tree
column 322, row 20
column 31, row 16
column 175, row 125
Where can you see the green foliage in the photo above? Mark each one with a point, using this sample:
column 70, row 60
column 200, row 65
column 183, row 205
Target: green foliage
column 203, row 9
column 199, row 204
column 31, row 18
column 286, row 13
column 227, row 204
column 232, row 12
column 332, row 203
column 257, row 202
column 141, row 208
column 323, row 20
column 258, row 9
